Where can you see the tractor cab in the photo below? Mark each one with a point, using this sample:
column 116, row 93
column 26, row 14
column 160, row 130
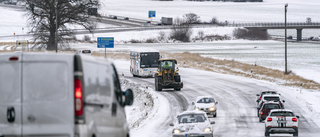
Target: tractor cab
column 167, row 76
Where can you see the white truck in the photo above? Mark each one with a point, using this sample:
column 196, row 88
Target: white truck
column 166, row 21
column 281, row 121
column 61, row 95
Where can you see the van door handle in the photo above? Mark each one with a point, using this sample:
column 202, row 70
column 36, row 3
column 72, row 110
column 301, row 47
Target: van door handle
column 114, row 109
column 11, row 114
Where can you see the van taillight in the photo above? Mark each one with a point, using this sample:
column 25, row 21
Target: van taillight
column 78, row 102
column 294, row 119
column 269, row 119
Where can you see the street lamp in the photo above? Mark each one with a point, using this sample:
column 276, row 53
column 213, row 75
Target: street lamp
column 56, row 34
column 285, row 36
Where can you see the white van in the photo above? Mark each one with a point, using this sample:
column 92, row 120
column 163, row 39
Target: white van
column 61, row 95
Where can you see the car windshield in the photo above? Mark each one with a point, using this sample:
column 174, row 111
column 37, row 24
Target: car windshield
column 271, row 106
column 191, row 118
column 272, row 98
column 206, row 100
column 268, row 93
column 282, row 113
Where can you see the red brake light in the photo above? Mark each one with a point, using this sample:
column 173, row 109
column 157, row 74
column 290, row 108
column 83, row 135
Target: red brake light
column 78, row 104
column 294, row 119
column 13, row 58
column 260, row 98
column 261, row 112
column 269, row 119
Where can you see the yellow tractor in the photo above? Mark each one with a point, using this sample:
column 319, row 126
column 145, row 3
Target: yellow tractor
column 167, row 76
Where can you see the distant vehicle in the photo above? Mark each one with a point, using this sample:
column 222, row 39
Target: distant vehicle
column 126, row 18
column 271, row 97
column 281, row 121
column 167, row 75
column 85, row 52
column 192, row 123
column 206, row 104
column 265, row 109
column 265, row 93
column 61, row 95
column 310, row 38
column 289, row 37
column 166, row 21
column 144, row 63
column 148, row 21
column 316, row 39
column 114, row 17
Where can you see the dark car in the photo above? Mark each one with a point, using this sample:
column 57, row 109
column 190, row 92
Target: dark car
column 265, row 93
column 268, row 98
column 266, row 108
column 115, row 17
column 126, row 18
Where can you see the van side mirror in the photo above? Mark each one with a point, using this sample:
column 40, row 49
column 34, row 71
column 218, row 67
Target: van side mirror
column 128, row 95
column 192, row 103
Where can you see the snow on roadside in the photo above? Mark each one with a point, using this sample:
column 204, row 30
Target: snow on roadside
column 145, row 109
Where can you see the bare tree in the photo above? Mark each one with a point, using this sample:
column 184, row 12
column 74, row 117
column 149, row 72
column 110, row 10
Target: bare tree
column 181, row 30
column 191, row 18
column 44, row 14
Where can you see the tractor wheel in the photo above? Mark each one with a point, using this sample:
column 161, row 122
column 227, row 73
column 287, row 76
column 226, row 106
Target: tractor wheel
column 177, row 78
column 158, row 87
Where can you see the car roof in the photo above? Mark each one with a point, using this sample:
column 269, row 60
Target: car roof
column 281, row 110
column 192, row 112
column 200, row 97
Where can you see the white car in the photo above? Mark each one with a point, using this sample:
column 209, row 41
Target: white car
column 85, row 52
column 61, row 95
column 206, row 104
column 192, row 124
column 281, row 121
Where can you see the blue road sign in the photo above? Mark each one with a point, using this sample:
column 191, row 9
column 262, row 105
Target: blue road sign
column 152, row 14
column 105, row 42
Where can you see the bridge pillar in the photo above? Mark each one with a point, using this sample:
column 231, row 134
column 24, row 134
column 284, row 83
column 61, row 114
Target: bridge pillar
column 299, row 34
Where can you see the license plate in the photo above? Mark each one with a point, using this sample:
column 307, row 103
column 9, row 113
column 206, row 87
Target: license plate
column 284, row 122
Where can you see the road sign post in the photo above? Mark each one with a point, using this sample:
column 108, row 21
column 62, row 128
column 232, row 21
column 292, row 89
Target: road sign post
column 152, row 14
column 105, row 42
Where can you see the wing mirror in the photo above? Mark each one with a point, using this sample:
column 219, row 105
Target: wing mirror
column 283, row 101
column 257, row 95
column 193, row 103
column 178, row 68
column 128, row 95
column 171, row 124
column 216, row 103
column 212, row 122
column 298, row 116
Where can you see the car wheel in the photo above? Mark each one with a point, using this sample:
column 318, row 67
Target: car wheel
column 260, row 120
column 295, row 134
column 266, row 134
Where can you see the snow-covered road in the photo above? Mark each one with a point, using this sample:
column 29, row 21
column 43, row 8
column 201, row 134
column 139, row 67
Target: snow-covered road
column 237, row 113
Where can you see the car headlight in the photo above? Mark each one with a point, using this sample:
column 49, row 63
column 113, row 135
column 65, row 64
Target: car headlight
column 197, row 109
column 207, row 130
column 176, row 131
column 212, row 109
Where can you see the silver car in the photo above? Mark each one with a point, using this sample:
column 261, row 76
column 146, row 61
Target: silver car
column 192, row 123
column 206, row 104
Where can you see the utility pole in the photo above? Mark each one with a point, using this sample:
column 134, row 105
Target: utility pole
column 56, row 35
column 285, row 36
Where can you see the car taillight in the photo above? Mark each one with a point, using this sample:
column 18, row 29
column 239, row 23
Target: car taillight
column 269, row 119
column 260, row 98
column 261, row 112
column 294, row 119
column 13, row 58
column 78, row 102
